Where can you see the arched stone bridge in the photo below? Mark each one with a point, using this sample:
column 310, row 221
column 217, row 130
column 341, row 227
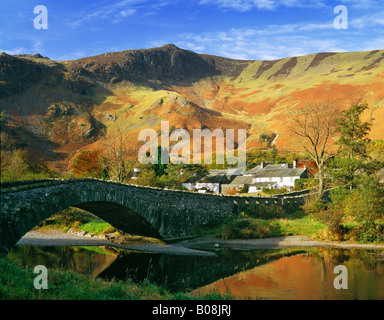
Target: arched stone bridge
column 132, row 209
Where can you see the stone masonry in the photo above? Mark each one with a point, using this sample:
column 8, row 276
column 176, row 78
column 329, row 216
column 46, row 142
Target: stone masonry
column 131, row 209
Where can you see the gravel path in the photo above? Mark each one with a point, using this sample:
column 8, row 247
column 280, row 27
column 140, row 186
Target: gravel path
column 273, row 243
column 191, row 247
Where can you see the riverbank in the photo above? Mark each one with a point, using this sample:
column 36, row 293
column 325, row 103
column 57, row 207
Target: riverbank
column 53, row 237
column 197, row 246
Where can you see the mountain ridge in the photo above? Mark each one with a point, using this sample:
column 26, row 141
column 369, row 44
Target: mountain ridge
column 72, row 103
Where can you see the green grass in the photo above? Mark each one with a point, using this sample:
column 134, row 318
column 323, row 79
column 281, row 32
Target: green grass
column 96, row 227
column 244, row 227
column 79, row 220
column 16, row 283
column 305, row 226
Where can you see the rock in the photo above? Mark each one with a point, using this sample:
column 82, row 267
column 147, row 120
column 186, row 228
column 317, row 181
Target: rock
column 71, row 231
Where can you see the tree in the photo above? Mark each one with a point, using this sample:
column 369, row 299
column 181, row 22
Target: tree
column 353, row 140
column 315, row 125
column 353, row 144
column 176, row 174
column 88, row 164
column 115, row 147
column 159, row 167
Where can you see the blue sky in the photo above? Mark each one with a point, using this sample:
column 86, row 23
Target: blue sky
column 239, row 29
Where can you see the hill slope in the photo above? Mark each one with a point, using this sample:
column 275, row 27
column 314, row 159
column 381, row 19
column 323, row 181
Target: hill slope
column 58, row 108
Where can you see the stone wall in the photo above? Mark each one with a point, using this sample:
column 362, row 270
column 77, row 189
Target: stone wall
column 132, row 209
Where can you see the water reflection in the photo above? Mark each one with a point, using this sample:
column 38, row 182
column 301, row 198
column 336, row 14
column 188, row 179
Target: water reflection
column 304, row 273
column 83, row 260
column 302, row 277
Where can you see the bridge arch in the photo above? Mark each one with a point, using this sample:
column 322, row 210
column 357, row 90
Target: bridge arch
column 121, row 218
column 123, row 209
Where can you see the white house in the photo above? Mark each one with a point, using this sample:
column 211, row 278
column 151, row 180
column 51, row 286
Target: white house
column 275, row 176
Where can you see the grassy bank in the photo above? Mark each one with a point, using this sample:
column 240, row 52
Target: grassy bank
column 80, row 220
column 247, row 227
column 16, row 283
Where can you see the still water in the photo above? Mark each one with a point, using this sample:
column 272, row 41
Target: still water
column 299, row 273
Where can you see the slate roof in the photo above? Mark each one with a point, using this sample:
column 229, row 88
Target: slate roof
column 242, row 180
column 213, row 176
column 253, row 170
column 257, row 169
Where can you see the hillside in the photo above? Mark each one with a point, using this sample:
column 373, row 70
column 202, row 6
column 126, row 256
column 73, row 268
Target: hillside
column 56, row 108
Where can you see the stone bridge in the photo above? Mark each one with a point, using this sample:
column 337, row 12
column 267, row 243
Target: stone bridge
column 131, row 209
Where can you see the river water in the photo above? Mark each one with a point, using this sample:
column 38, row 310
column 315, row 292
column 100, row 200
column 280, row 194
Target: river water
column 289, row 274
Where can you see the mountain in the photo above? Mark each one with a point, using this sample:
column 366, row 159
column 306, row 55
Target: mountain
column 56, row 108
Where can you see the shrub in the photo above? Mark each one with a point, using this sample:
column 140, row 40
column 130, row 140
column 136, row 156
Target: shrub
column 246, row 228
column 367, row 233
column 268, row 211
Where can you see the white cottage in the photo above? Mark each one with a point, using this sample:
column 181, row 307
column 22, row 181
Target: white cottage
column 275, row 176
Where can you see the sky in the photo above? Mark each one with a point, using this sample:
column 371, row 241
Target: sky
column 238, row 29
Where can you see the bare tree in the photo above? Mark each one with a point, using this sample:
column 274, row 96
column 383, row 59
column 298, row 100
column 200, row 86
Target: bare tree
column 115, row 148
column 315, row 125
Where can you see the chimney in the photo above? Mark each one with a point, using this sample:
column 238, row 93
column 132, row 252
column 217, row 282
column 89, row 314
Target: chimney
column 294, row 164
column 262, row 164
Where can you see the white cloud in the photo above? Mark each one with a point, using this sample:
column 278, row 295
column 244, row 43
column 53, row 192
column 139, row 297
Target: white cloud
column 270, row 43
column 247, row 5
column 118, row 11
column 37, row 47
column 362, row 4
column 365, row 21
column 19, row 50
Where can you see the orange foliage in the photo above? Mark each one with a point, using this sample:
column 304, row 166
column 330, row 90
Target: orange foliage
column 88, row 164
column 231, row 192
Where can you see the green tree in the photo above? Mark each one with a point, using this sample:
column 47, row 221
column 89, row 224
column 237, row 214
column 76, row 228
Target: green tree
column 367, row 201
column 352, row 159
column 176, row 174
column 353, row 140
column 159, row 167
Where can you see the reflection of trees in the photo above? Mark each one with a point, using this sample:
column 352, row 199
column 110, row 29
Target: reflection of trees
column 74, row 259
column 189, row 272
column 367, row 259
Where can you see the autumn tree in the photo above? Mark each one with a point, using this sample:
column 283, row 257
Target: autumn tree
column 315, row 126
column 88, row 164
column 115, row 148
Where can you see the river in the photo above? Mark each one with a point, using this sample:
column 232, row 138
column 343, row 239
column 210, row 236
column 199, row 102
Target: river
column 276, row 273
